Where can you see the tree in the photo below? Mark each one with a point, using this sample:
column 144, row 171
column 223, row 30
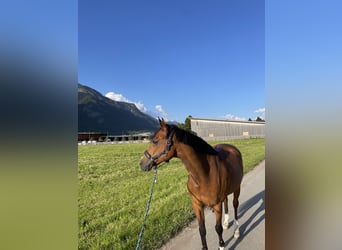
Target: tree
column 258, row 119
column 187, row 125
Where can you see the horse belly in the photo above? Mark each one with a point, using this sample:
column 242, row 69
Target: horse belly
column 204, row 194
column 210, row 201
column 230, row 167
column 231, row 182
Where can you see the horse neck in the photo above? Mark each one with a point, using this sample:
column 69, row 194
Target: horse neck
column 196, row 164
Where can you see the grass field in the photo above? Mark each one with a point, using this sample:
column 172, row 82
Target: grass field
column 113, row 192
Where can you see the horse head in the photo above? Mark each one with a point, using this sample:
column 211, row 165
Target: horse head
column 160, row 149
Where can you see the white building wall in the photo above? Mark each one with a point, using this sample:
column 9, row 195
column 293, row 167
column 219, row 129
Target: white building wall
column 224, row 129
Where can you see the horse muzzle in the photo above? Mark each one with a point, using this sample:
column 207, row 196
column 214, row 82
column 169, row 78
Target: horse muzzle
column 146, row 164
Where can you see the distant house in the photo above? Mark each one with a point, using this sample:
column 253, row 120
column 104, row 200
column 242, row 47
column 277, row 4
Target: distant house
column 98, row 136
column 90, row 136
column 210, row 129
column 133, row 137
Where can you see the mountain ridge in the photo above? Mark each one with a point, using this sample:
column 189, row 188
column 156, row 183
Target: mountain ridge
column 98, row 113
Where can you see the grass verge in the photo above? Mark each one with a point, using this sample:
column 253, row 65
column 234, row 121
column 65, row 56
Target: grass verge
column 113, row 193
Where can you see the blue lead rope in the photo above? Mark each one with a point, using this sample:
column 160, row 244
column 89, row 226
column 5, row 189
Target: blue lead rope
column 147, row 209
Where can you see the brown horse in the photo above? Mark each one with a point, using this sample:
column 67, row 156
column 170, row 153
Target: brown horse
column 213, row 172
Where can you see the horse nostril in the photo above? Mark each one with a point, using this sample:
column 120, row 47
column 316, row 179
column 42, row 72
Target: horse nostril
column 143, row 168
column 145, row 165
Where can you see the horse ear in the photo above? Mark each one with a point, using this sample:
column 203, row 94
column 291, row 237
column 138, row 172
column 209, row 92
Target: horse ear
column 162, row 123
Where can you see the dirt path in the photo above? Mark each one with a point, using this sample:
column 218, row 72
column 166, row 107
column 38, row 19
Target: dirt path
column 251, row 219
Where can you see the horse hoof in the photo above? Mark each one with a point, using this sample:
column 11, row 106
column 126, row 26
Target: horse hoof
column 236, row 234
column 221, row 248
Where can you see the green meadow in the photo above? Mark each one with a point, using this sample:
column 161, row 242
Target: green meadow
column 113, row 193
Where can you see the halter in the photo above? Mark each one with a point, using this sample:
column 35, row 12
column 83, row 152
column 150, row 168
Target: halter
column 165, row 152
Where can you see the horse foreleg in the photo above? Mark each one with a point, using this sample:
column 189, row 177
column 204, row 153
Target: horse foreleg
column 218, row 226
column 236, row 205
column 226, row 215
column 199, row 212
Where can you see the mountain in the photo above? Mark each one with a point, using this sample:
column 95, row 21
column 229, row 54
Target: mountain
column 97, row 113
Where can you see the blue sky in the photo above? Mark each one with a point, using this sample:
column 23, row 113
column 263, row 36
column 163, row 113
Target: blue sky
column 176, row 58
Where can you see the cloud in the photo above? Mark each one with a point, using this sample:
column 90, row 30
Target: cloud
column 160, row 110
column 117, row 97
column 141, row 106
column 121, row 98
column 261, row 111
column 233, row 117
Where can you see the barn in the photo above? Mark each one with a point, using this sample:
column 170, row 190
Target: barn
column 210, row 129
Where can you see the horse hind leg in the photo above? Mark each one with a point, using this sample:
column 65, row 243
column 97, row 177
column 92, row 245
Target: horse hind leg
column 236, row 205
column 226, row 215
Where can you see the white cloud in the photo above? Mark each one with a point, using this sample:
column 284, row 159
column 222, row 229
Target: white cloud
column 159, row 108
column 117, row 97
column 158, row 112
column 161, row 111
column 121, row 98
column 262, row 112
column 233, row 117
column 141, row 107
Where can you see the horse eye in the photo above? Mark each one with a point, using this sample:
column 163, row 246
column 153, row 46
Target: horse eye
column 155, row 142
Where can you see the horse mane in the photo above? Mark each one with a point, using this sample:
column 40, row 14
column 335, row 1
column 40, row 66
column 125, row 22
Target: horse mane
column 188, row 138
